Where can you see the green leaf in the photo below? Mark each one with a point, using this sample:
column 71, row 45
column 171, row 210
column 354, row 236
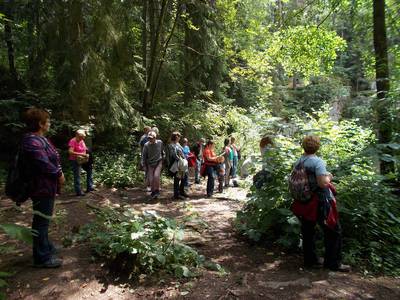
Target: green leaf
column 3, row 283
column 6, row 274
column 18, row 232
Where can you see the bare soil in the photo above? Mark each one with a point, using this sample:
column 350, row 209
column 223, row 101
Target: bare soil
column 253, row 272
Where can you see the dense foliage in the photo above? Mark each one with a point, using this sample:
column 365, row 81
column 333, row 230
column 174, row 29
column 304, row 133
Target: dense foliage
column 365, row 203
column 134, row 243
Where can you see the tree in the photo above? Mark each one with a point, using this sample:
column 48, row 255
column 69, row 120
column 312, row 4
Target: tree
column 382, row 79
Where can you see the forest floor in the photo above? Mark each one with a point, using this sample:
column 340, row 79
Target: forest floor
column 252, row 272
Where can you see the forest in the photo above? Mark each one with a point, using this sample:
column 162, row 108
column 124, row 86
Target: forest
column 210, row 69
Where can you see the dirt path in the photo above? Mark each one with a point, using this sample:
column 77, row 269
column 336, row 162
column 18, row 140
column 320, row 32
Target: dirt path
column 252, row 272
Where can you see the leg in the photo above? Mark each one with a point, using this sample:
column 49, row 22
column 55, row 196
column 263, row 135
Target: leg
column 333, row 246
column 176, row 185
column 227, row 174
column 42, row 248
column 76, row 169
column 210, row 180
column 234, row 166
column 156, row 178
column 182, row 185
column 197, row 171
column 150, row 176
column 308, row 233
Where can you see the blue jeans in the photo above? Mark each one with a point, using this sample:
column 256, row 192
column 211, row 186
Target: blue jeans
column 210, row 180
column 42, row 247
column 76, row 169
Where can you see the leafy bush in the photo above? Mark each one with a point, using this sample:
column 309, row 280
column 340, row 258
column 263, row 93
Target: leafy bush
column 117, row 169
column 365, row 203
column 136, row 244
column 17, row 232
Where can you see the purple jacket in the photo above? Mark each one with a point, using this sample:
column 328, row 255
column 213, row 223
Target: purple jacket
column 43, row 162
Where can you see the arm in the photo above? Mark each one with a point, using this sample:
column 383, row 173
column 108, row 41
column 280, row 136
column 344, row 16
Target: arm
column 323, row 181
column 144, row 156
column 323, row 176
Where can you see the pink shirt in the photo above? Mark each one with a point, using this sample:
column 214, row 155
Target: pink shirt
column 78, row 147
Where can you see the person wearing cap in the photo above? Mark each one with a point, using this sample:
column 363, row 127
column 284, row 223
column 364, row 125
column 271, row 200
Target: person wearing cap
column 152, row 157
column 78, row 155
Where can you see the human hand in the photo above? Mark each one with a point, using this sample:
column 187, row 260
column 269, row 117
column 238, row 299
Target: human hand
column 61, row 179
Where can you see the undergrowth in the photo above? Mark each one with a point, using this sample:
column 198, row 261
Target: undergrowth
column 134, row 243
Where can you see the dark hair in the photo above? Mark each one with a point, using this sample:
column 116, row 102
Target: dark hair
column 232, row 139
column 175, row 135
column 210, row 142
column 226, row 142
column 311, row 144
column 34, row 116
column 267, row 140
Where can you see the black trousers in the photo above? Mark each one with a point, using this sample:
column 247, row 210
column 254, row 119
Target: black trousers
column 42, row 247
column 179, row 185
column 332, row 243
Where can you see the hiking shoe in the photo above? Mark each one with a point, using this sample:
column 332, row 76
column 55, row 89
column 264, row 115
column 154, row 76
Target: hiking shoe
column 184, row 194
column 53, row 262
column 178, row 197
column 80, row 194
column 341, row 268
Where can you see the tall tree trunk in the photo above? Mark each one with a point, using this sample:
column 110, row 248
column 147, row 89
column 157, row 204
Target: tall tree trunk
column 144, row 34
column 8, row 36
column 382, row 79
column 34, row 61
column 157, row 76
column 78, row 92
column 155, row 41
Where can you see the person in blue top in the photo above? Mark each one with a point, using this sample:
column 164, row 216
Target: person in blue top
column 320, row 209
column 186, row 152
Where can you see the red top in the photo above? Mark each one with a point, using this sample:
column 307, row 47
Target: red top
column 209, row 156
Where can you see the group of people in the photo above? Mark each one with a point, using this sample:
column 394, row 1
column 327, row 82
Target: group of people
column 178, row 158
column 46, row 178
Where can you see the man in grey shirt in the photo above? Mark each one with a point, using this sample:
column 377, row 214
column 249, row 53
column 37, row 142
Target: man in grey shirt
column 152, row 157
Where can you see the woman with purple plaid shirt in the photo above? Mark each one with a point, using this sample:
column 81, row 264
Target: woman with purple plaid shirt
column 46, row 179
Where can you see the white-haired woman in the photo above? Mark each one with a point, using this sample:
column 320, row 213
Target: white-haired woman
column 78, row 155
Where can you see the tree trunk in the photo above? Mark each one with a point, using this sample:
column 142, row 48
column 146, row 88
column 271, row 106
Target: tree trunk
column 157, row 76
column 382, row 79
column 79, row 97
column 155, row 41
column 8, row 36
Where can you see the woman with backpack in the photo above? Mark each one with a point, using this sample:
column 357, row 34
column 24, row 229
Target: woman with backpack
column 177, row 166
column 314, row 202
column 46, row 178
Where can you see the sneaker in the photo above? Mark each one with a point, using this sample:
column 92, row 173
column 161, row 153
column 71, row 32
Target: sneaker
column 184, row 194
column 80, row 194
column 90, row 190
column 341, row 268
column 53, row 262
column 55, row 250
column 178, row 197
